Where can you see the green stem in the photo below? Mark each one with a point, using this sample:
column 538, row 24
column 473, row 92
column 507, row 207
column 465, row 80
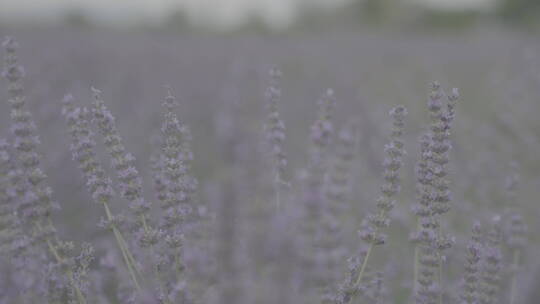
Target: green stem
column 126, row 254
column 382, row 213
column 362, row 271
column 364, row 265
column 128, row 258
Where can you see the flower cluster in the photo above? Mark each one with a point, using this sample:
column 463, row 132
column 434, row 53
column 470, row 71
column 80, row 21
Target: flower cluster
column 241, row 248
column 34, row 196
column 180, row 213
column 322, row 131
column 130, row 182
column 433, row 196
column 441, row 121
column 336, row 205
column 426, row 261
column 490, row 274
column 178, row 205
column 12, row 240
column 339, row 180
column 317, row 253
column 274, row 130
column 472, row 267
column 375, row 222
column 38, row 203
column 82, row 148
column 99, row 185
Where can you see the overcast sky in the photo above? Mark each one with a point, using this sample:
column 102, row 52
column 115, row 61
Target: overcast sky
column 220, row 12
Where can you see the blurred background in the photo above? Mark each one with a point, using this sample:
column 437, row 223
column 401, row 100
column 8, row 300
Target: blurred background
column 215, row 54
column 266, row 15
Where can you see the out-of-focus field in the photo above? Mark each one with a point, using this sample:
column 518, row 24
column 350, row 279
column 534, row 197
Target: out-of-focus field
column 220, row 81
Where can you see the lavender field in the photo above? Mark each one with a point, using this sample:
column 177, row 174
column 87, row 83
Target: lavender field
column 340, row 167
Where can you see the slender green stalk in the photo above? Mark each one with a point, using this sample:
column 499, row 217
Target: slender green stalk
column 382, row 214
column 126, row 253
column 375, row 222
column 364, row 265
column 99, row 185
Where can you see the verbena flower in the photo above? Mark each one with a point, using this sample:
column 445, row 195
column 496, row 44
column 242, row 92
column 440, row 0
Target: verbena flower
column 426, row 258
column 274, row 130
column 374, row 223
column 471, row 278
column 441, row 122
column 515, row 228
column 334, row 211
column 490, row 274
column 515, row 231
column 434, row 197
column 82, row 148
column 36, row 201
column 315, row 250
column 180, row 212
column 38, row 205
column 13, row 242
column 97, row 181
column 322, row 132
column 338, row 186
column 178, row 206
column 349, row 288
column 123, row 162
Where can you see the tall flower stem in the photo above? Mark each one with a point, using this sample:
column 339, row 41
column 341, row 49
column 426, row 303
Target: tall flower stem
column 374, row 223
column 275, row 134
column 517, row 234
column 99, row 185
column 36, row 208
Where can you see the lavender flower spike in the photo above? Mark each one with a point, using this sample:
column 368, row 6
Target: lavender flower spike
column 490, row 275
column 12, row 240
column 99, row 185
column 274, row 129
column 37, row 203
column 471, row 278
column 179, row 209
column 373, row 225
column 124, row 164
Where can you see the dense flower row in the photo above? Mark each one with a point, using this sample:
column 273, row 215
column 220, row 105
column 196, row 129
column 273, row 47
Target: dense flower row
column 186, row 252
